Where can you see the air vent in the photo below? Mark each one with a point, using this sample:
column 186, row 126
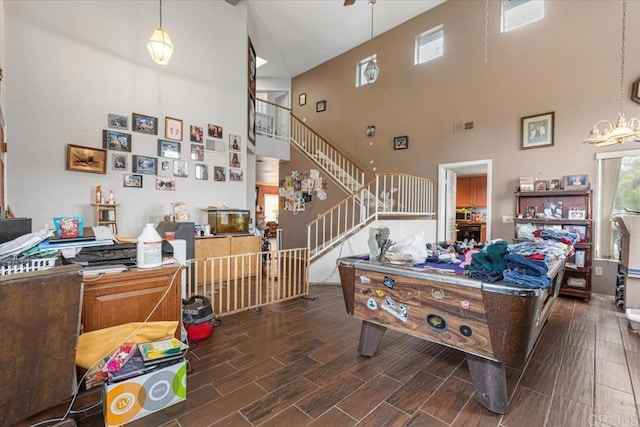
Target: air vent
column 460, row 127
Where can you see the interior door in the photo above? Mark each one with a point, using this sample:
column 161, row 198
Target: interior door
column 450, row 231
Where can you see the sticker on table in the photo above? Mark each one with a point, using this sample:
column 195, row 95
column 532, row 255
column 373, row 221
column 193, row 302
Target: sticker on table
column 380, row 292
column 367, row 291
column 388, row 282
column 372, row 304
column 400, row 311
column 464, row 307
column 365, row 280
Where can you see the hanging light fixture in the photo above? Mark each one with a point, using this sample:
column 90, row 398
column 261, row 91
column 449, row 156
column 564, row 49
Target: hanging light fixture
column 160, row 46
column 371, row 71
column 604, row 132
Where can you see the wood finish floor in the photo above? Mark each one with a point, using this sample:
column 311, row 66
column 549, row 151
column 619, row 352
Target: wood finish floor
column 296, row 364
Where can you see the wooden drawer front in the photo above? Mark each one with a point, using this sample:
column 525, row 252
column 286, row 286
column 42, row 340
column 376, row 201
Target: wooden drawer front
column 422, row 298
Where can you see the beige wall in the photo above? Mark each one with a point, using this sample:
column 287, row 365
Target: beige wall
column 568, row 63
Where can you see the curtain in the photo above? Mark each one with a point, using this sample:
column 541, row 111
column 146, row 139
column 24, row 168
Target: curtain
column 609, row 190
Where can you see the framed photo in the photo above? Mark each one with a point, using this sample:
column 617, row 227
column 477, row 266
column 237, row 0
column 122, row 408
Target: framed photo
column 168, row 149
column 180, row 168
column 235, row 174
column 131, row 180
column 145, row 165
column 202, row 172
column 86, row 159
column 144, row 124
column 234, row 160
column 234, row 142
column 251, row 122
column 117, row 121
column 165, row 183
column 537, row 131
column 576, row 182
column 173, row 129
column 117, row 141
column 635, row 91
column 540, row 185
column 252, row 68
column 371, row 131
column 215, row 145
column 552, row 210
column 577, row 213
column 197, row 152
column 555, row 184
column 219, row 173
column 196, row 134
column 302, row 99
column 119, row 162
column 580, row 230
column 321, row 106
column 165, row 165
column 400, row 142
column 214, row 131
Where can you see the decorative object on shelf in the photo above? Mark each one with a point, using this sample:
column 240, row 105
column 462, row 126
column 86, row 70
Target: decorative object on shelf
column 132, row 180
column 117, row 121
column 321, row 106
column 302, row 99
column 537, row 131
column 180, row 168
column 196, row 134
column 577, row 213
column 145, row 165
column 168, row 149
column 371, row 131
column 202, row 172
column 400, row 142
column 576, row 182
column 144, row 124
column 526, row 183
column 160, row 46
column 119, row 162
column 555, row 184
column 371, row 71
column 552, row 210
column 604, row 132
column 173, row 129
column 540, row 185
column 86, row 159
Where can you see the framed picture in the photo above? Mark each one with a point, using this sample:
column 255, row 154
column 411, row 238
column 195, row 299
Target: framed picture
column 117, row 141
column 86, row 159
column 371, row 131
column 526, row 183
column 252, row 68
column 214, row 131
column 555, row 184
column 144, row 124
column 540, row 185
column 321, row 106
column 580, row 230
column 180, row 168
column 234, row 142
column 537, row 131
column 119, row 161
column 400, row 142
column 202, row 172
column 251, row 123
column 302, row 99
column 132, row 180
column 165, row 183
column 197, row 152
column 215, row 145
column 576, row 182
column 577, row 213
column 196, row 134
column 635, row 91
column 165, row 165
column 117, row 121
column 235, row 174
column 168, row 149
column 173, row 129
column 145, row 165
column 234, row 160
column 552, row 210
column 219, row 173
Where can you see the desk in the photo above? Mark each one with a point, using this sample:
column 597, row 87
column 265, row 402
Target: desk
column 495, row 324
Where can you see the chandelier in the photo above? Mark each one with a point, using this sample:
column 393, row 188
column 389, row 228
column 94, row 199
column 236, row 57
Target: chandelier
column 160, row 46
column 371, row 71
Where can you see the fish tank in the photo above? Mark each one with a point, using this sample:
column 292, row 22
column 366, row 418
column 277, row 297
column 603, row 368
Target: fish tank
column 228, row 221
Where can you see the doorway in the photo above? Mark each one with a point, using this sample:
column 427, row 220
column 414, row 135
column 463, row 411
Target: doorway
column 447, row 176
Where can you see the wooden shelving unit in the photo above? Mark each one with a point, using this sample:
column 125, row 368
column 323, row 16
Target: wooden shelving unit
column 107, row 214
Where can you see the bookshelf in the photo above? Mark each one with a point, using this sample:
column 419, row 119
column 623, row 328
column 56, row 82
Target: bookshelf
column 107, row 214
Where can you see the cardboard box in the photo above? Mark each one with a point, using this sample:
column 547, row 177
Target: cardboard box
column 140, row 396
column 631, row 292
column 630, row 250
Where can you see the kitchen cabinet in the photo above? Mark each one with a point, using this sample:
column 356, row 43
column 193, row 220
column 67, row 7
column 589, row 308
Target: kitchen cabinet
column 471, row 191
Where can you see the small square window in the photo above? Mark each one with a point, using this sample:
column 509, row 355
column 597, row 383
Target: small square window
column 361, row 80
column 429, row 45
column 516, row 13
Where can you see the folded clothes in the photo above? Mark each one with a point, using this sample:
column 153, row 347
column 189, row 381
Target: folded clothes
column 485, row 276
column 521, row 264
column 526, row 281
column 490, row 259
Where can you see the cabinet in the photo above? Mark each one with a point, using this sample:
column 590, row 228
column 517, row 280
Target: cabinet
column 568, row 210
column 471, row 191
column 107, row 214
column 224, row 246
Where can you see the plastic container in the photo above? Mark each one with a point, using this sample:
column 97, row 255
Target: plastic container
column 149, row 249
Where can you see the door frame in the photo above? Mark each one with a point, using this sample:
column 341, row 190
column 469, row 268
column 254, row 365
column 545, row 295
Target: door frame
column 472, row 167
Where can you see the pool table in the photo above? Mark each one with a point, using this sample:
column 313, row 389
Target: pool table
column 495, row 324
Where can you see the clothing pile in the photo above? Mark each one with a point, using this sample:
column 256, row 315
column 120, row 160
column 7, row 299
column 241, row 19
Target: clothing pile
column 488, row 265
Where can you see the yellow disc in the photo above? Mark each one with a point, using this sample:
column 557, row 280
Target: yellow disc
column 123, row 402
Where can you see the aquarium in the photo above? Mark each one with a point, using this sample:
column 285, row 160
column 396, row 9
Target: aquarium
column 228, row 221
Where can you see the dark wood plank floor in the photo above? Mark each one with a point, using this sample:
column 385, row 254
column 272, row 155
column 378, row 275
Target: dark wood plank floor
column 296, row 364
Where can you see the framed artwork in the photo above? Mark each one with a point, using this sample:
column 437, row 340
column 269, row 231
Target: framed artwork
column 215, row 145
column 86, row 159
column 555, row 184
column 235, row 174
column 165, row 183
column 234, row 160
column 144, row 124
column 251, row 126
column 577, row 213
column 180, row 168
column 234, row 142
column 537, row 131
column 252, row 68
column 165, row 165
column 196, row 134
column 197, row 152
column 117, row 141
column 214, row 131
column 525, row 183
column 173, row 129
column 552, row 210
column 371, row 131
column 202, row 172
column 132, row 180
column 119, row 161
column 576, row 182
column 400, row 142
column 145, row 165
column 635, row 91
column 540, row 185
column 168, row 149
column 302, row 99
column 580, row 230
column 219, row 173
column 321, row 106
column 117, row 121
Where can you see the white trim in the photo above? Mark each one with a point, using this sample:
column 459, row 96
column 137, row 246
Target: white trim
column 617, row 154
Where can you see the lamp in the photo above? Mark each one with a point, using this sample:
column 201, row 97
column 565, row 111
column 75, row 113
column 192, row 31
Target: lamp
column 604, row 132
column 160, row 46
column 371, row 71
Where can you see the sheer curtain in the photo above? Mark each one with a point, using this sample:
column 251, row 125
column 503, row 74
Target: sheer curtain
column 609, row 176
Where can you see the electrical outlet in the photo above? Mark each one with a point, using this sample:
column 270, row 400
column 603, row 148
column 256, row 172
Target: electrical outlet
column 507, row 219
column 598, row 271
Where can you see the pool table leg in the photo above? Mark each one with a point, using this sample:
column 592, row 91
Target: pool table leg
column 370, row 337
column 490, row 380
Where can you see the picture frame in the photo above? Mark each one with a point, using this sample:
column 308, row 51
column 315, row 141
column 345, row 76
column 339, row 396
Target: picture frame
column 302, row 99
column 251, row 122
column 165, row 183
column 202, row 172
column 537, row 131
column 635, row 91
column 321, row 106
column 117, row 121
column 197, row 152
column 552, row 209
column 234, row 142
column 575, row 182
column 581, row 230
column 579, row 212
column 196, row 134
column 371, row 131
column 540, row 185
column 132, row 180
column 173, row 129
column 144, row 165
column 235, row 174
column 215, row 145
column 252, row 67
column 116, row 141
column 400, row 142
column 86, row 159
column 219, row 173
column 164, row 165
column 169, row 149
column 234, row 160
column 214, row 131
column 180, row 168
column 119, row 161
column 144, row 124
column 555, row 184
column 526, row 183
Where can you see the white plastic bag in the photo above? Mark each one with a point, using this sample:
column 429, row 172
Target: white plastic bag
column 415, row 245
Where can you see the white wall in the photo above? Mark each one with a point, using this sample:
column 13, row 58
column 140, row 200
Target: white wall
column 68, row 64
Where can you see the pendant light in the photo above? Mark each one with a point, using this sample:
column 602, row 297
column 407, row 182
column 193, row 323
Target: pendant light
column 371, row 71
column 160, row 46
column 604, row 132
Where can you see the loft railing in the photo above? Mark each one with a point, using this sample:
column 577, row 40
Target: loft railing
column 272, row 120
column 385, row 195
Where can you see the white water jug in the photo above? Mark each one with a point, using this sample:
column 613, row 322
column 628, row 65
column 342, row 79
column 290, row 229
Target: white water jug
column 149, row 249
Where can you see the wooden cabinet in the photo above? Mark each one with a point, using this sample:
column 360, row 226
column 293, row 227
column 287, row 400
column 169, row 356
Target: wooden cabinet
column 471, row 191
column 224, row 246
column 107, row 214
column 569, row 210
column 119, row 298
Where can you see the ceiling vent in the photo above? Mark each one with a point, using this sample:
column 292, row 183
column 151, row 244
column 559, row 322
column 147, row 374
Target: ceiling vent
column 461, row 127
